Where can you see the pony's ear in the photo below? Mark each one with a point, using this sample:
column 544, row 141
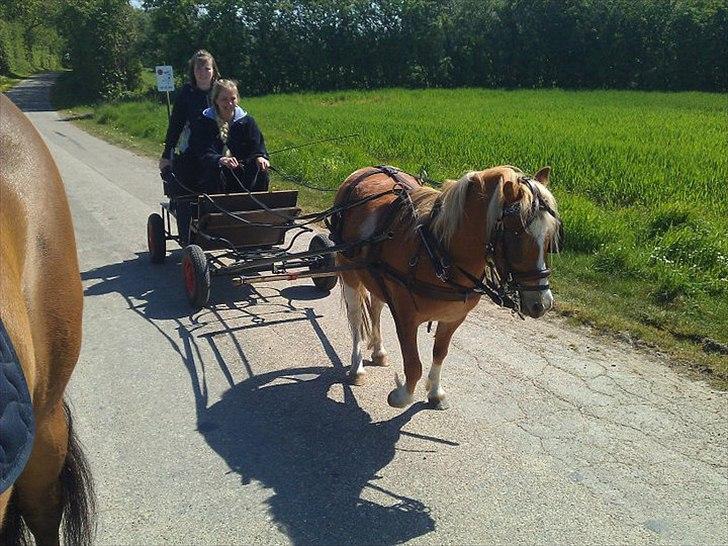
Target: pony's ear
column 543, row 175
column 510, row 191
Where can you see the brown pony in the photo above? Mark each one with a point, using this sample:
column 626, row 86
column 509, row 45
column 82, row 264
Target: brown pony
column 41, row 302
column 430, row 255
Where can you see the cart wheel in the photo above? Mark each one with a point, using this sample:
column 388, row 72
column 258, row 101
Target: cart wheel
column 156, row 239
column 325, row 261
column 196, row 274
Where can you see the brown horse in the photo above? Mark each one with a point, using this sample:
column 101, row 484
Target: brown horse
column 41, row 302
column 430, row 255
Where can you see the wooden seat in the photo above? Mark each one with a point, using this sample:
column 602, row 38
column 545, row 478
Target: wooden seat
column 214, row 223
column 249, row 201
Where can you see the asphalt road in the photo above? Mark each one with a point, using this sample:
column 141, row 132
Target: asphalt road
column 232, row 425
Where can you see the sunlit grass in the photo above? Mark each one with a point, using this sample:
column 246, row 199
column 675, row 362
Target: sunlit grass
column 640, row 179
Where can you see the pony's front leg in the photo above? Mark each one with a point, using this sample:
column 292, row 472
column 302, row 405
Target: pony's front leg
column 403, row 395
column 379, row 353
column 443, row 335
column 356, row 311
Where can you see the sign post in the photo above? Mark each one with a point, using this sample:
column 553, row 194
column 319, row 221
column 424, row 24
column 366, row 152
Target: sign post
column 165, row 82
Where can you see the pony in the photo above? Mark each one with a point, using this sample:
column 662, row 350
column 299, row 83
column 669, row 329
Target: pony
column 430, row 255
column 48, row 485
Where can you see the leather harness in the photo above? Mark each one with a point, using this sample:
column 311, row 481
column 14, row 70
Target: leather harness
column 491, row 285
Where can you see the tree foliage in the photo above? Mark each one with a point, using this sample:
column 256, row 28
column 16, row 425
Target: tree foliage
column 102, row 40
column 29, row 40
column 274, row 45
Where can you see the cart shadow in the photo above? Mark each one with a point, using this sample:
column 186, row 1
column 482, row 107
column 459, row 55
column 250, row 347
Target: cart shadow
column 156, row 291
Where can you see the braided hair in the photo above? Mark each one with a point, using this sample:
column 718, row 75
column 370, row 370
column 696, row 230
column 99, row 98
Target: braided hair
column 223, row 125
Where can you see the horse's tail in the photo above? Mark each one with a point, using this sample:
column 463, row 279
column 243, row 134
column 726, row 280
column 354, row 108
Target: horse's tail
column 363, row 303
column 79, row 500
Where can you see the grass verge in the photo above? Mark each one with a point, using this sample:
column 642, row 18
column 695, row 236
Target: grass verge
column 8, row 81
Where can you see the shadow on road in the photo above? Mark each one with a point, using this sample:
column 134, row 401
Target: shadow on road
column 317, row 455
column 33, row 94
column 280, row 429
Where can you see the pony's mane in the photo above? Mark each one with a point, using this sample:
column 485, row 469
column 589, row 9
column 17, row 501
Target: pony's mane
column 452, row 200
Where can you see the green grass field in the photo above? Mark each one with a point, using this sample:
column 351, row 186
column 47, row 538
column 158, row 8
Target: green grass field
column 640, row 179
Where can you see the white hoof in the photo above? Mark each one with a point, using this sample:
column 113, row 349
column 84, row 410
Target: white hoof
column 357, row 379
column 399, row 397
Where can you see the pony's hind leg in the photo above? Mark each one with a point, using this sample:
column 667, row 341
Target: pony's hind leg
column 355, row 297
column 443, row 335
column 379, row 353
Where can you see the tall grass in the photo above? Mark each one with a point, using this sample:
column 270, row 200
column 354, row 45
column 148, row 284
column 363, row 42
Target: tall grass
column 641, row 180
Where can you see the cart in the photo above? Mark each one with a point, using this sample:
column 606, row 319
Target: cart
column 240, row 235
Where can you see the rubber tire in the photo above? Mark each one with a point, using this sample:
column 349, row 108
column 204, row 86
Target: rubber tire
column 156, row 239
column 196, row 276
column 326, row 261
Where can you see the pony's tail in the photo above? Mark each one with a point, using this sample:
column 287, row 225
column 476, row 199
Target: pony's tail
column 364, row 304
column 366, row 316
column 79, row 501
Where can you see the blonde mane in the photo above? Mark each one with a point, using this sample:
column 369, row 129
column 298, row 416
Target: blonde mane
column 453, row 196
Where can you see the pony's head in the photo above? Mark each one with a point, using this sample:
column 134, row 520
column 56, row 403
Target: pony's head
column 523, row 229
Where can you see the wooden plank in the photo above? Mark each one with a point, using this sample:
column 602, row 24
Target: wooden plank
column 243, row 201
column 240, row 234
column 279, row 216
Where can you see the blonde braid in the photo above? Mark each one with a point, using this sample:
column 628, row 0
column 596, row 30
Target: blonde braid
column 224, row 127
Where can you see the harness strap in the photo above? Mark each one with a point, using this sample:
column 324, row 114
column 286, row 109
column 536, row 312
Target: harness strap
column 401, row 189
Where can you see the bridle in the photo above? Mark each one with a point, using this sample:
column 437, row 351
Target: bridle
column 510, row 281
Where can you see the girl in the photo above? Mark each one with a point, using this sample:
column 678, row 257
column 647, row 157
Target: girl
column 229, row 144
column 191, row 100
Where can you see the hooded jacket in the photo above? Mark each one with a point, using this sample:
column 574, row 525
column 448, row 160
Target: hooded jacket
column 188, row 106
column 245, row 141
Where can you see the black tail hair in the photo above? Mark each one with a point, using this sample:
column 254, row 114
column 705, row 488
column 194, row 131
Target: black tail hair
column 79, row 500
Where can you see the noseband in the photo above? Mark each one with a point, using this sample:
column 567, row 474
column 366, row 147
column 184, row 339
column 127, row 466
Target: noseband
column 513, row 280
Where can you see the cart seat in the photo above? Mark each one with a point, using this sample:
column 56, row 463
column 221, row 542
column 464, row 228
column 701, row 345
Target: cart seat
column 211, row 221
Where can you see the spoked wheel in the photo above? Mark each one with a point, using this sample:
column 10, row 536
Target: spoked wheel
column 196, row 273
column 156, row 240
column 325, row 261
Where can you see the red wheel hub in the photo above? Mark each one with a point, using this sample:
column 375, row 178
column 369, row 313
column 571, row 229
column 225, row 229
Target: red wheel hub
column 189, row 274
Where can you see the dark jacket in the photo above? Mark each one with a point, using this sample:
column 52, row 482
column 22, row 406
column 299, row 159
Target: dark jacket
column 245, row 141
column 188, row 106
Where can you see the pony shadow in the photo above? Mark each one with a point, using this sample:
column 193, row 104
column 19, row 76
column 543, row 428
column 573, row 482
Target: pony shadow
column 317, row 455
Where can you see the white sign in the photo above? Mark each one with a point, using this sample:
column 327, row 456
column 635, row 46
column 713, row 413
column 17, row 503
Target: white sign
column 165, row 78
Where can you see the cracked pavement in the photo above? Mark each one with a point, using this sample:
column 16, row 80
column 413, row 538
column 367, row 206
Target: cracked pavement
column 232, row 425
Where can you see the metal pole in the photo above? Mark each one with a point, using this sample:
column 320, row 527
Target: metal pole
column 169, row 113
